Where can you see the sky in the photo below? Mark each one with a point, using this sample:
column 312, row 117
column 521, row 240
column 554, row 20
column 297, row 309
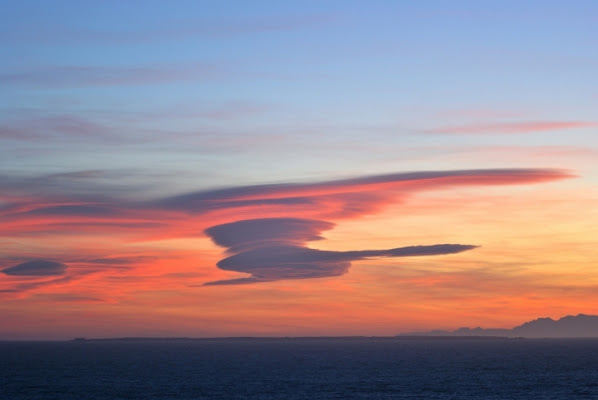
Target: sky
column 271, row 168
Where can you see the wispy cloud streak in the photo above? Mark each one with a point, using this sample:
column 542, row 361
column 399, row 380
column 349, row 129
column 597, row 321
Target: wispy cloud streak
column 36, row 268
column 172, row 30
column 83, row 75
column 346, row 197
column 512, row 127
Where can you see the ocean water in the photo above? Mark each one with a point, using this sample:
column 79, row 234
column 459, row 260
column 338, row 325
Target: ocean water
column 301, row 368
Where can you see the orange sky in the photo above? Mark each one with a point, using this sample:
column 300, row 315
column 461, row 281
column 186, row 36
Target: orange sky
column 535, row 257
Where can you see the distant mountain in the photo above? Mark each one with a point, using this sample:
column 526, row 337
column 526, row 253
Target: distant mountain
column 577, row 326
column 580, row 325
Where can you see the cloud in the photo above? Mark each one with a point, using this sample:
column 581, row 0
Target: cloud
column 273, row 249
column 36, row 268
column 231, row 111
column 249, row 234
column 120, row 260
column 512, row 127
column 52, row 128
column 177, row 30
column 346, row 197
column 87, row 75
column 93, row 188
column 74, row 210
column 95, row 194
column 91, row 201
column 265, row 228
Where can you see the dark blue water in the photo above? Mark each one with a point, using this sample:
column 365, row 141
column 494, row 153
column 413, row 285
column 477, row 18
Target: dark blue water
column 358, row 368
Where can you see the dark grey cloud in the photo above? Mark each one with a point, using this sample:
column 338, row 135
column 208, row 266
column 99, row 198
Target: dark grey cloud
column 249, row 234
column 36, row 268
column 76, row 210
column 273, row 263
column 120, row 260
column 273, row 249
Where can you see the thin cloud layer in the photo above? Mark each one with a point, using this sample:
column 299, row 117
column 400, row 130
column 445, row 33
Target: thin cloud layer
column 36, row 268
column 88, row 75
column 512, row 127
column 350, row 196
column 174, row 30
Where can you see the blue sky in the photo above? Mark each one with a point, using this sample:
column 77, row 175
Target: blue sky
column 294, row 83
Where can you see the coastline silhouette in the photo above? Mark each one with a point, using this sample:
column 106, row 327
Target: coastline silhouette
column 578, row 326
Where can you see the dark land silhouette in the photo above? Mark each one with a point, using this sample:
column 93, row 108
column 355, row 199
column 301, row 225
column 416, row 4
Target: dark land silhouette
column 578, row 326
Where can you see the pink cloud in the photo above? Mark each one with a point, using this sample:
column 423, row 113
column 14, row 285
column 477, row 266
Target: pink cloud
column 512, row 127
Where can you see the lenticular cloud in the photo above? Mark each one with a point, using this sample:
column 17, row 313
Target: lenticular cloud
column 272, row 249
column 275, row 248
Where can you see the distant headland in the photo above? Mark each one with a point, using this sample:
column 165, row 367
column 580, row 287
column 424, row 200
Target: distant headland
column 571, row 326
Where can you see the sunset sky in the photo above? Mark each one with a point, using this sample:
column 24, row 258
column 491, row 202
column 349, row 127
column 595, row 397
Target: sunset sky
column 278, row 168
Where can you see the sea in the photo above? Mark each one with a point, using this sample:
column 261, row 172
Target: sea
column 301, row 368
